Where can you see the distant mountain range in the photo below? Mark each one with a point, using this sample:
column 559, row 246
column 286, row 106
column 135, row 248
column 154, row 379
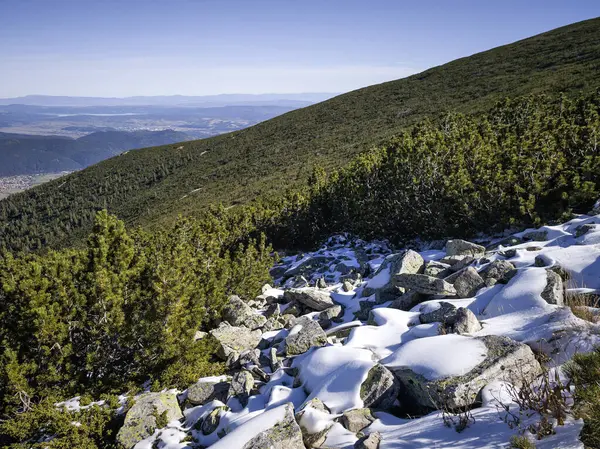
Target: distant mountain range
column 296, row 100
column 26, row 154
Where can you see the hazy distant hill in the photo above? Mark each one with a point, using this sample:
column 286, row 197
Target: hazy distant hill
column 151, row 187
column 173, row 100
column 24, row 154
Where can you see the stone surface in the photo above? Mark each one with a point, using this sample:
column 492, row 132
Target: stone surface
column 584, row 229
column 437, row 269
column 408, row 261
column 204, row 391
column 304, row 334
column 357, row 419
column 370, row 441
column 274, row 362
column 554, row 291
column 498, row 270
column 465, row 322
column 211, row 422
column 460, row 247
column 408, row 300
column 444, row 314
column 241, row 385
column 536, row 236
column 423, row 284
column 347, row 286
column 333, row 313
column 234, row 339
column 507, row 360
column 380, row 389
column 141, row 419
column 312, row 298
column 286, row 434
column 468, row 283
column 238, row 313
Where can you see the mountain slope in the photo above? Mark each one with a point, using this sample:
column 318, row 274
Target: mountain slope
column 29, row 154
column 152, row 186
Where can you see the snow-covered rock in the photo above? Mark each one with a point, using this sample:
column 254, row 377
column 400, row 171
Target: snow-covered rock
column 305, row 334
column 312, row 298
column 424, row 284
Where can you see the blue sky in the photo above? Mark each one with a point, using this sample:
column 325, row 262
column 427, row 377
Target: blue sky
column 202, row 47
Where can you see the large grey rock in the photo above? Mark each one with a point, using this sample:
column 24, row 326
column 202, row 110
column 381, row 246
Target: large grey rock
column 468, row 282
column 380, row 389
column 204, row 391
column 211, row 422
column 465, row 322
column 506, row 361
column 286, row 434
column 554, row 291
column 460, row 247
column 357, row 419
column 333, row 313
column 233, row 339
column 437, row 269
column 423, row 284
column 370, row 441
column 444, row 314
column 312, row 298
column 584, row 229
column 238, row 313
column 408, row 261
column 241, row 385
column 312, row 438
column 303, row 335
column 498, row 270
column 141, row 419
column 408, row 300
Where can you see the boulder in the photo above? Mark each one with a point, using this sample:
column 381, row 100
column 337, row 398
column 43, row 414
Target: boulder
column 310, row 297
column 250, row 357
column 380, row 389
column 206, row 390
column 150, row 411
column 468, row 283
column 347, row 286
column 332, row 314
column 424, row 284
column 444, row 314
column 506, row 360
column 408, row 261
column 554, row 291
column 238, row 313
column 498, row 270
column 460, row 247
column 465, row 322
column 536, row 236
column 241, row 385
column 211, row 422
column 370, row 441
column 286, row 434
column 357, row 419
column 304, row 334
column 234, row 339
column 437, row 269
column 408, row 300
column 274, row 362
column 313, row 436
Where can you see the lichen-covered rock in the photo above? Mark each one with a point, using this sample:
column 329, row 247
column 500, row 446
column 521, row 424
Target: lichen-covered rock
column 234, row 339
column 305, row 334
column 357, row 419
column 468, row 282
column 143, row 418
column 554, row 291
column 506, row 360
column 408, row 261
column 444, row 314
column 237, row 313
column 313, row 436
column 370, row 441
column 347, row 286
column 312, row 298
column 241, row 385
column 206, row 390
column 498, row 270
column 423, row 284
column 274, row 362
column 380, row 389
column 286, row 434
column 460, row 247
column 465, row 322
column 332, row 313
column 536, row 236
column 437, row 269
column 211, row 422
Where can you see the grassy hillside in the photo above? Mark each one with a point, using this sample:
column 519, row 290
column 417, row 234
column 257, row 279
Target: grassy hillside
column 151, row 187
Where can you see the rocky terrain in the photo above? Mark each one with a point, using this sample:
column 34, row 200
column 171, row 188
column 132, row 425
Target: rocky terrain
column 359, row 345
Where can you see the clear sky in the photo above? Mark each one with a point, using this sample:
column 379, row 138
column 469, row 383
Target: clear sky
column 203, row 47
